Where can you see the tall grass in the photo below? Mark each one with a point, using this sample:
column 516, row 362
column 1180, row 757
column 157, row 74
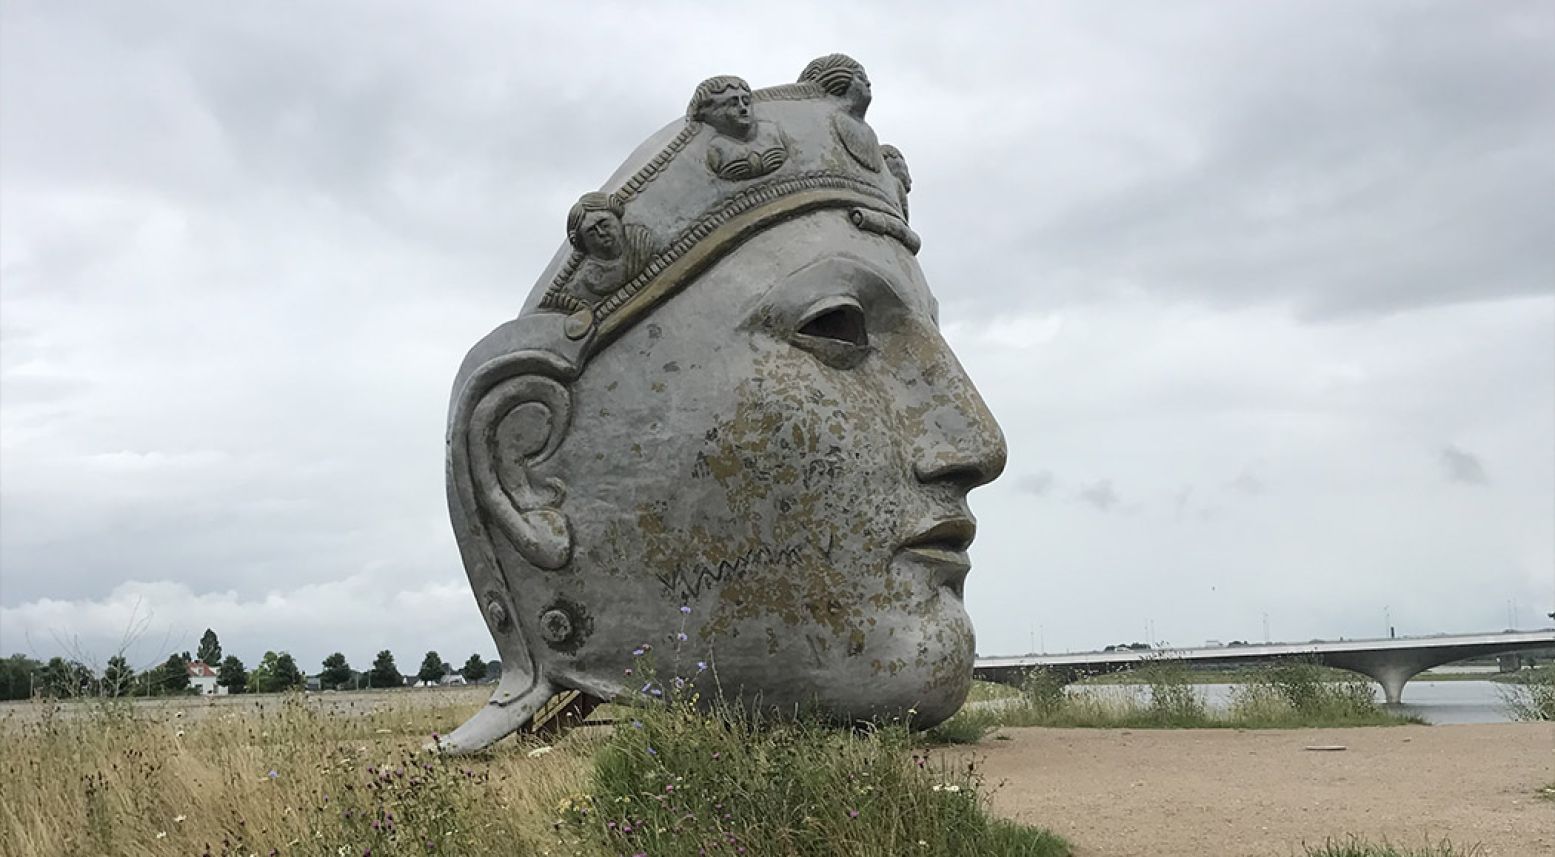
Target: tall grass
column 1357, row 847
column 1295, row 693
column 302, row 776
column 1289, row 695
column 114, row 779
column 1530, row 696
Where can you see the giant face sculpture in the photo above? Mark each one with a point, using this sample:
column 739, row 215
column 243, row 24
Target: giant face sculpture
column 761, row 438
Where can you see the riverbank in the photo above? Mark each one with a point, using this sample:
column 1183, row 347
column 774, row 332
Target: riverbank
column 1229, row 793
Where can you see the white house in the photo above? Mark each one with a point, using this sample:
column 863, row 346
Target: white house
column 203, row 679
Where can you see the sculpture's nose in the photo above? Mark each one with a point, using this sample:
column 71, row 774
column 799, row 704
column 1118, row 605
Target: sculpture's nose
column 958, row 440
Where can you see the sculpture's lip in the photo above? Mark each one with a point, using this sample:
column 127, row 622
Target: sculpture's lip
column 952, row 534
column 942, row 548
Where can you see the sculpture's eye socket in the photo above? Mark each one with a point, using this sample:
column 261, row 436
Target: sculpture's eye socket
column 835, row 332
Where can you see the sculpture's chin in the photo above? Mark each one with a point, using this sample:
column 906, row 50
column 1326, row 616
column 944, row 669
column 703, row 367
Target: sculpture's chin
column 915, row 666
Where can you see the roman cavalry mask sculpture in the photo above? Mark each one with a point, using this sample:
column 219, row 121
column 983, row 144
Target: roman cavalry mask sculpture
column 726, row 409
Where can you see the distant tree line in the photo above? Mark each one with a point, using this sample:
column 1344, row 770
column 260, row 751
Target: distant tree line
column 23, row 677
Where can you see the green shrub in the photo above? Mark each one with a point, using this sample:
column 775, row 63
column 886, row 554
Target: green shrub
column 1530, row 696
column 1299, row 693
column 675, row 780
column 1173, row 699
column 1043, row 689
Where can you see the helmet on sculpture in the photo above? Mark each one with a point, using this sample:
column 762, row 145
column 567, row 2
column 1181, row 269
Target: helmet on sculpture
column 730, row 420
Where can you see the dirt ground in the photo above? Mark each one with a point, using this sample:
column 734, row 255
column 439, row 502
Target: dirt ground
column 1229, row 793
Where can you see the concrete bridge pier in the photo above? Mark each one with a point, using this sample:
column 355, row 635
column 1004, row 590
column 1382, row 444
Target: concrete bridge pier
column 1389, row 668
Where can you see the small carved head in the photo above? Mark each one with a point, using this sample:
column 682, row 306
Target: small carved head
column 594, row 225
column 842, row 76
column 897, row 164
column 724, row 102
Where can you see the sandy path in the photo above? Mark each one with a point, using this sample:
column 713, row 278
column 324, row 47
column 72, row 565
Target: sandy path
column 1208, row 793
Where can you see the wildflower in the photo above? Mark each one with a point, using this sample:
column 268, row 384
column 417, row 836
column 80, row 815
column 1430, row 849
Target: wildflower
column 161, row 834
column 628, row 670
column 179, row 733
column 539, row 751
column 637, row 652
column 701, row 665
column 272, row 775
column 652, row 752
column 381, row 731
column 180, row 818
column 852, row 813
column 637, row 724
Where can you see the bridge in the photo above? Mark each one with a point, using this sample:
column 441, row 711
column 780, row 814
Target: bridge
column 1390, row 662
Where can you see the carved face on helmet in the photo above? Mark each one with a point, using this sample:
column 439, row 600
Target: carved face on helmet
column 773, row 462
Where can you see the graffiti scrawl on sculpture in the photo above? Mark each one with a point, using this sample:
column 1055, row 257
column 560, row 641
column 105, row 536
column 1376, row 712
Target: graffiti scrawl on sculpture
column 727, row 403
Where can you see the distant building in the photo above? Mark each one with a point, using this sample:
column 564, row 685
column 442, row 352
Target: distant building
column 202, row 679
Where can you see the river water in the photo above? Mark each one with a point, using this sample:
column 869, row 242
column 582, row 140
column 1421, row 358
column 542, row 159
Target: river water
column 1432, row 701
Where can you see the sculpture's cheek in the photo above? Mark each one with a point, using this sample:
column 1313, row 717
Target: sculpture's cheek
column 807, row 492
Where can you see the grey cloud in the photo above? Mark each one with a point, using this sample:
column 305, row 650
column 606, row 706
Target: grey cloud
column 243, row 250
column 1099, row 494
column 1247, row 483
column 1039, row 484
column 1181, row 501
column 1395, row 161
column 1460, row 465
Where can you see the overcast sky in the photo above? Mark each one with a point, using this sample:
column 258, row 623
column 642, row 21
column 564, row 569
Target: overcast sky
column 1263, row 295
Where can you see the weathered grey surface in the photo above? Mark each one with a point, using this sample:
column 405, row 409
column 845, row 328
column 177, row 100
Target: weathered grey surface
column 727, row 409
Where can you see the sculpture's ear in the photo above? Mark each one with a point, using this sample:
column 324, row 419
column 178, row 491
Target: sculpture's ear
column 515, row 424
column 509, row 414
